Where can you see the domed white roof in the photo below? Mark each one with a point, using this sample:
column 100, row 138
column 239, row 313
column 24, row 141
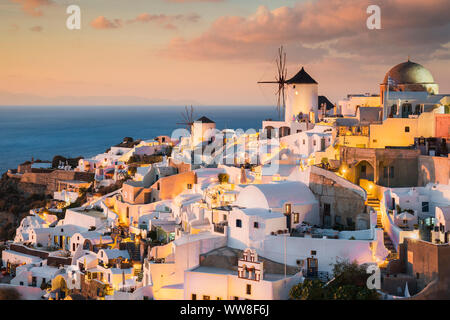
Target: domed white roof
column 275, row 195
column 409, row 73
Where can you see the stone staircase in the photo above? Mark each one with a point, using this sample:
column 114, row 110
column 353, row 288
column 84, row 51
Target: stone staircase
column 133, row 250
column 375, row 204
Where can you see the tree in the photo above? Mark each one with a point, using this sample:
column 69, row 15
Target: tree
column 308, row 290
column 349, row 283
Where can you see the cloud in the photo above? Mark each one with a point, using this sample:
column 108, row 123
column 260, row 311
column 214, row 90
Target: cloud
column 32, row 7
column 166, row 21
column 323, row 28
column 36, row 29
column 103, row 23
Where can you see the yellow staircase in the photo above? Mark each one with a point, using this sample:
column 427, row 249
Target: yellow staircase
column 373, row 201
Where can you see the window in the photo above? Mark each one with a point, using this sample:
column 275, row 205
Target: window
column 287, row 208
column 255, row 225
column 425, row 207
column 313, row 252
column 189, row 186
column 337, row 219
column 349, row 221
column 206, row 298
column 158, row 186
column 194, row 296
column 388, row 172
column 303, row 141
column 238, row 223
column 363, row 169
column 225, row 217
column 314, row 142
column 406, row 129
column 296, row 218
column 249, row 289
column 236, row 298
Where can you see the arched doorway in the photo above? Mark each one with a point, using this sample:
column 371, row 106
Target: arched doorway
column 269, row 132
column 364, row 170
column 284, row 131
column 59, row 285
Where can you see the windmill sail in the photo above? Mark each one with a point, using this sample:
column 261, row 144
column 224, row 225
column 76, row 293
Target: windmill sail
column 280, row 79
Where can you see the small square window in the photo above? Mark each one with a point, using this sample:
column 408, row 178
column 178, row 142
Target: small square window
column 206, row 298
column 313, row 252
column 406, row 129
column 194, row 296
column 255, row 225
column 189, row 186
column 239, row 223
column 249, row 289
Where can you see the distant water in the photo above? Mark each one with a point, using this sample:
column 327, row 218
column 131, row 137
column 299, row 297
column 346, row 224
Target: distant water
column 43, row 132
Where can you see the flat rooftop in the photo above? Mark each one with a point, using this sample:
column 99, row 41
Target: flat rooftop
column 222, row 271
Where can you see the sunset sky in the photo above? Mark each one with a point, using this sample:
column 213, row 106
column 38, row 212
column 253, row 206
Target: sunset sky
column 209, row 52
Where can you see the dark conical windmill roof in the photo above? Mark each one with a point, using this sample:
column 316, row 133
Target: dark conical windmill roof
column 301, row 77
column 205, row 120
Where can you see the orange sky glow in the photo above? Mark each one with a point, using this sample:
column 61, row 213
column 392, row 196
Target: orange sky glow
column 209, row 52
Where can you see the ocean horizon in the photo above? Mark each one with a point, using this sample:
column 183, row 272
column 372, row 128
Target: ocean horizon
column 41, row 132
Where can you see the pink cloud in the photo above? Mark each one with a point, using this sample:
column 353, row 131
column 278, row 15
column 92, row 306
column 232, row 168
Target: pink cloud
column 166, row 21
column 315, row 28
column 103, row 23
column 32, row 7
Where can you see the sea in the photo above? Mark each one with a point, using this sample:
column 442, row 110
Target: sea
column 39, row 132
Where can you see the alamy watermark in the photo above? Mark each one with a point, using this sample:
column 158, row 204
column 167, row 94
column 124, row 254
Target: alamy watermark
column 73, row 22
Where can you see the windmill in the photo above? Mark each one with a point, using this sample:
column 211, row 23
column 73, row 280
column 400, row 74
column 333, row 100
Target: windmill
column 187, row 117
column 280, row 80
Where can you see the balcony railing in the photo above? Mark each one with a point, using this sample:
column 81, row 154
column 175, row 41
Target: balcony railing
column 219, row 228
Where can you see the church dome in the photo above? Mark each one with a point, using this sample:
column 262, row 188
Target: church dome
column 409, row 73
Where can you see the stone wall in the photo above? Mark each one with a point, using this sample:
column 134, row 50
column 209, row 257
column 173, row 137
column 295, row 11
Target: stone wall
column 404, row 161
column 433, row 170
column 344, row 202
column 427, row 261
column 51, row 179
